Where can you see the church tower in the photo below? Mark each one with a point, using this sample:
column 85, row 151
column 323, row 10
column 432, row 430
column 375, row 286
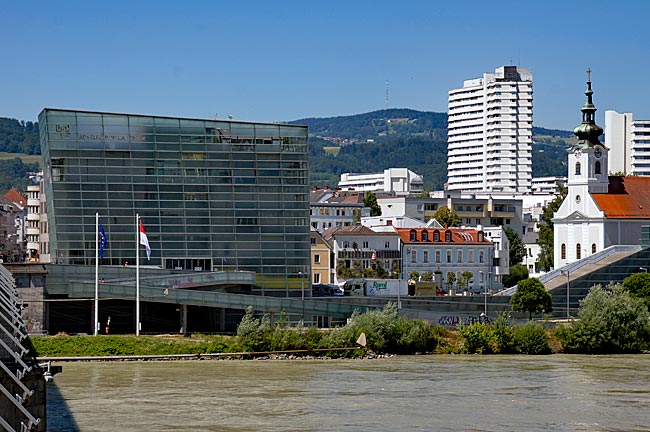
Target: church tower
column 587, row 159
column 578, row 227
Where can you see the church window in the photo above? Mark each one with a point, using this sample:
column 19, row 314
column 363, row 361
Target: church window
column 593, row 248
column 578, row 254
column 597, row 167
column 577, row 168
column 563, row 251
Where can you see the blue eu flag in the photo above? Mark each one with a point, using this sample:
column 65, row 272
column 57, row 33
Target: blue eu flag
column 103, row 241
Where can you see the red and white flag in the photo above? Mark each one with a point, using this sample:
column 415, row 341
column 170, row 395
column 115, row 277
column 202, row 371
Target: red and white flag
column 144, row 240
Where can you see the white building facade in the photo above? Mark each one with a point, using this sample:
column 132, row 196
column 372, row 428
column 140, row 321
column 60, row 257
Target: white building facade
column 629, row 142
column 402, row 181
column 490, row 132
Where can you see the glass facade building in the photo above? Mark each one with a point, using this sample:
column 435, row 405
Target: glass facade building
column 211, row 194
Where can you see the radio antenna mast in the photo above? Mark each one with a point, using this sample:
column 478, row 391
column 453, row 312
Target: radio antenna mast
column 386, row 95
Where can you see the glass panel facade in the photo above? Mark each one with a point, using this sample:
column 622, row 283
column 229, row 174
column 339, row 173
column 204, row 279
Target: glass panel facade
column 211, row 194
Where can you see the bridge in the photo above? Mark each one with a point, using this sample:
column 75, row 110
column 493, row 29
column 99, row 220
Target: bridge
column 22, row 383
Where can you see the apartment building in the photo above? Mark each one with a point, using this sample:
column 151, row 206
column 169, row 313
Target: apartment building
column 490, row 132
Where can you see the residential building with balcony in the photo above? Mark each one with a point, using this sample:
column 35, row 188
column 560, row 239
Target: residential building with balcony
column 629, row 144
column 473, row 209
column 32, row 222
column 490, row 132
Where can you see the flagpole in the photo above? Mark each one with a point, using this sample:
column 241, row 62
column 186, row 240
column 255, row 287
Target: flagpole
column 96, row 318
column 137, row 274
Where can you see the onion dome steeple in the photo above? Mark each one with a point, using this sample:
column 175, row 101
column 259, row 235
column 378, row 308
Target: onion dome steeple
column 588, row 132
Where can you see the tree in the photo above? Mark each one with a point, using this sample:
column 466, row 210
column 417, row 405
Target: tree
column 427, row 276
column 517, row 249
column 465, row 279
column 545, row 239
column 447, row 217
column 611, row 321
column 370, row 200
column 517, row 273
column 531, row 297
column 638, row 286
column 451, row 278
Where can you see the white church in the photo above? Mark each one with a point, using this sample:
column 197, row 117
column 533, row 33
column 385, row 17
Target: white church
column 599, row 210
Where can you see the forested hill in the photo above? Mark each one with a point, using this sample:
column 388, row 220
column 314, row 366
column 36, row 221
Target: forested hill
column 19, row 137
column 391, row 123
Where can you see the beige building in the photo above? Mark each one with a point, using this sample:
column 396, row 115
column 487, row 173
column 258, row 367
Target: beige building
column 322, row 265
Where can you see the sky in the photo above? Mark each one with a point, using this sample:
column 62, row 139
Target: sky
column 285, row 60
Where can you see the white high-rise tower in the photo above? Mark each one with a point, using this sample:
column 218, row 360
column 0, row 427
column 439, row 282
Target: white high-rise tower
column 490, row 132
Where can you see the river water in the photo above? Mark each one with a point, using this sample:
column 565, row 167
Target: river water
column 409, row 393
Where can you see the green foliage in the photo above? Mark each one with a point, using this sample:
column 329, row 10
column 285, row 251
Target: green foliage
column 15, row 173
column 638, row 285
column 478, row 338
column 252, row 332
column 121, row 345
column 531, row 297
column 427, row 276
column 464, row 280
column 531, row 338
column 517, row 249
column 610, row 321
column 545, row 239
column 503, row 334
column 518, row 273
column 446, row 217
column 370, row 200
column 19, row 137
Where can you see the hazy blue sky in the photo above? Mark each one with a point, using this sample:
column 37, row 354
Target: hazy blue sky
column 284, row 60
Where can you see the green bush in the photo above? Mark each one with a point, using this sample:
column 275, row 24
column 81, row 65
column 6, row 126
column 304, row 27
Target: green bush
column 503, row 335
column 610, row 321
column 477, row 338
column 531, row 338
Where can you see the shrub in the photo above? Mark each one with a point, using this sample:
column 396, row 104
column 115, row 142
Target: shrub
column 610, row 321
column 503, row 334
column 478, row 338
column 531, row 338
column 252, row 332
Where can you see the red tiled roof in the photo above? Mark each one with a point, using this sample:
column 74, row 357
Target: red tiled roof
column 458, row 235
column 626, row 198
column 15, row 196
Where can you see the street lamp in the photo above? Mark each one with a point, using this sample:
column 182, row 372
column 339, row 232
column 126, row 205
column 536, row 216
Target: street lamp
column 644, row 269
column 568, row 273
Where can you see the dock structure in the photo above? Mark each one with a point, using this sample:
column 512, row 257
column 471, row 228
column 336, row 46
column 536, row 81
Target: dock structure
column 22, row 380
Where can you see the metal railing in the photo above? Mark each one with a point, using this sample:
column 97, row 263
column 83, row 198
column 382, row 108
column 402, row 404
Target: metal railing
column 20, row 377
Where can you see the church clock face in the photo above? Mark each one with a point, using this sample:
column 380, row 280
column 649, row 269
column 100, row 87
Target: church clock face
column 598, row 152
column 578, row 153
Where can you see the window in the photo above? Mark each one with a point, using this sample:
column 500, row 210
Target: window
column 577, row 168
column 317, row 259
column 437, row 256
column 593, row 248
column 470, row 256
column 414, row 255
column 436, row 236
column 448, row 256
column 480, row 236
column 563, row 251
column 597, row 167
column 313, row 240
column 481, row 257
column 346, row 244
column 387, row 245
column 365, row 245
column 316, row 278
column 447, row 236
column 412, row 237
column 425, row 256
column 425, row 235
column 578, row 254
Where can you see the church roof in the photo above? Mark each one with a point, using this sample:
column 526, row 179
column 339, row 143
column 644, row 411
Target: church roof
column 626, row 198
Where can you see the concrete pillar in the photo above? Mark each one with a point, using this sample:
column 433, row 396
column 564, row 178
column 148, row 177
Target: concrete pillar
column 184, row 319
